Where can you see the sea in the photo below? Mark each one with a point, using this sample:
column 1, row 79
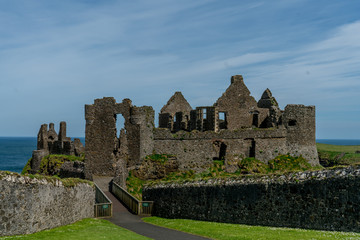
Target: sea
column 16, row 151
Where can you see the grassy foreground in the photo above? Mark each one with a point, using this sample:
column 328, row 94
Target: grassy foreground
column 91, row 229
column 225, row 231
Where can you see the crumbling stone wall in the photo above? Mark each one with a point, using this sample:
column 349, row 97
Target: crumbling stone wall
column 323, row 200
column 197, row 150
column 49, row 142
column 175, row 114
column 31, row 205
column 239, row 106
column 198, row 136
column 299, row 121
column 104, row 150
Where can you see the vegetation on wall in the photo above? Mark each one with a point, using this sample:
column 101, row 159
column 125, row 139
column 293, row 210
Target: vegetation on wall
column 66, row 182
column 52, row 163
column 161, row 158
column 280, row 165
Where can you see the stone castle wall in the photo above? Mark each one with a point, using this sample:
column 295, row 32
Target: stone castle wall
column 197, row 150
column 324, row 200
column 234, row 127
column 105, row 152
column 31, row 205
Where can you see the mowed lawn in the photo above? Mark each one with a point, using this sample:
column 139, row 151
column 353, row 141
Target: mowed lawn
column 93, row 229
column 226, row 231
column 87, row 229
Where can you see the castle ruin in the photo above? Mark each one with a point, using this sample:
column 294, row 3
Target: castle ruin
column 49, row 142
column 236, row 126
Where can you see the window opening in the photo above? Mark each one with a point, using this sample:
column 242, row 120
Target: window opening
column 120, row 124
column 292, row 122
column 222, row 120
column 204, row 113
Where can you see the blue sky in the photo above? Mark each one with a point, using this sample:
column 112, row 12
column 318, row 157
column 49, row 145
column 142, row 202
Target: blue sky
column 57, row 56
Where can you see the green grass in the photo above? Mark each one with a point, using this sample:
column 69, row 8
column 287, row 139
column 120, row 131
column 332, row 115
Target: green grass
column 280, row 165
column 27, row 167
column 92, row 229
column 225, row 231
column 337, row 148
column 284, row 163
column 134, row 185
column 52, row 163
column 161, row 158
column 333, row 155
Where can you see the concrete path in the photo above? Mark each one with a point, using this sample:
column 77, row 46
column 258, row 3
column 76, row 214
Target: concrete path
column 123, row 218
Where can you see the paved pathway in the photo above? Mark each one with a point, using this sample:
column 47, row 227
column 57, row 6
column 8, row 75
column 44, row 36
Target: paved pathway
column 123, row 218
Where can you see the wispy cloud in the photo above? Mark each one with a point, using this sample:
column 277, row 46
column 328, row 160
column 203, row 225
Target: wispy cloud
column 57, row 56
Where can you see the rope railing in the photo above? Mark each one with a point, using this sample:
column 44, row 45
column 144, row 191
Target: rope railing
column 134, row 205
column 103, row 205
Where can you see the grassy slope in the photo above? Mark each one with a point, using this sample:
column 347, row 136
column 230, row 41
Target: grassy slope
column 53, row 161
column 279, row 165
column 337, row 148
column 338, row 155
column 225, row 231
column 86, row 229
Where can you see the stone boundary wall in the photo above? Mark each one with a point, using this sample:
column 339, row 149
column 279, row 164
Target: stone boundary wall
column 30, row 205
column 324, row 200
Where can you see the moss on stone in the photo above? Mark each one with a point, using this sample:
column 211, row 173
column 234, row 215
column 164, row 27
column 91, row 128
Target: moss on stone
column 162, row 158
column 66, row 182
column 27, row 167
column 284, row 163
column 52, row 163
column 252, row 165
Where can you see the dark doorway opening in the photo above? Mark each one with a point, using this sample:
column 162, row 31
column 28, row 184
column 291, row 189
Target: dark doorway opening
column 252, row 149
column 255, row 120
column 222, row 151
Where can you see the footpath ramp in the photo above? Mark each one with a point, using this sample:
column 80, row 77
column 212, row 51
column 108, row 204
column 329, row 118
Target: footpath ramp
column 123, row 218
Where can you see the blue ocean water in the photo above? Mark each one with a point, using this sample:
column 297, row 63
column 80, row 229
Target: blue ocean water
column 339, row 141
column 16, row 151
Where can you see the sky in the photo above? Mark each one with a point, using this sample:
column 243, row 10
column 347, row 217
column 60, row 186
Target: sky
column 57, row 56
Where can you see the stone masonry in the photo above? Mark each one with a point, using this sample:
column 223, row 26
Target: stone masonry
column 29, row 205
column 234, row 127
column 323, row 200
column 49, row 142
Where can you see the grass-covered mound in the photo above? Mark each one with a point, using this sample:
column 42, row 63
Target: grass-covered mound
column 333, row 155
column 285, row 163
column 252, row 166
column 51, row 164
column 280, row 165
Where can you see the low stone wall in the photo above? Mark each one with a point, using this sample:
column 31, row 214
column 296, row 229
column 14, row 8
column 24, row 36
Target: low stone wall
column 325, row 200
column 30, row 205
